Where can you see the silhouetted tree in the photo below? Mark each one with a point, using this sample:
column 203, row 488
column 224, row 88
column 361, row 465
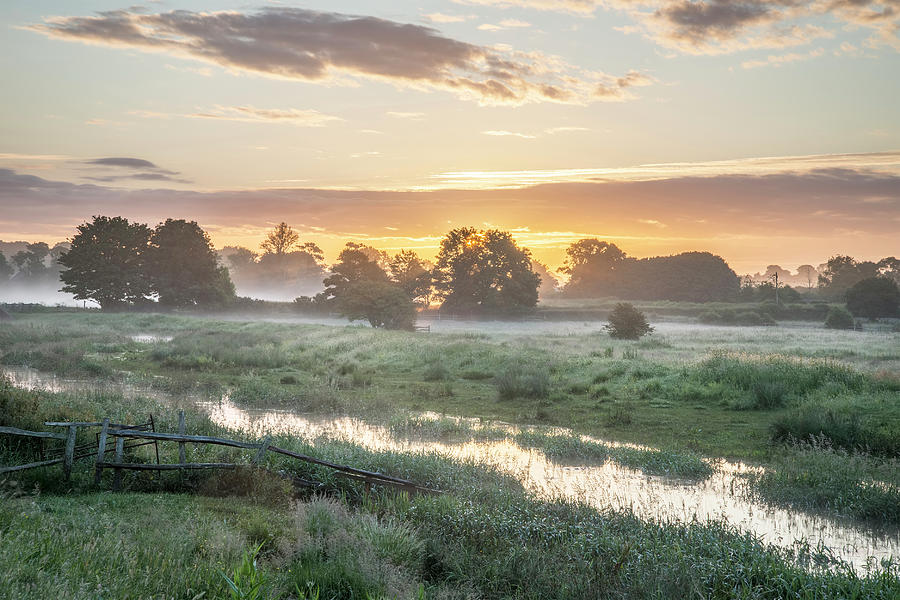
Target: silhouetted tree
column 890, row 267
column 808, row 274
column 31, row 263
column 6, row 269
column 280, row 240
column 549, row 284
column 602, row 269
column 591, row 266
column 411, row 273
column 358, row 288
column 873, row 298
column 484, row 271
column 842, row 272
column 183, row 267
column 106, row 262
column 627, row 323
column 381, row 303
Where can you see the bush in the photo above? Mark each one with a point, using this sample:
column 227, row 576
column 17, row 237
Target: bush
column 839, row 318
column 627, row 323
column 523, row 382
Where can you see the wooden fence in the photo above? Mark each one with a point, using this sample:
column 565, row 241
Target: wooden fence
column 122, row 437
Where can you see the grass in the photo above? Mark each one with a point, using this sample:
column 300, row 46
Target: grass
column 817, row 476
column 573, row 448
column 247, row 534
column 692, row 391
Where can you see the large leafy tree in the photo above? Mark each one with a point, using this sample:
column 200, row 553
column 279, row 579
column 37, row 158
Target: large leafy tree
column 358, row 288
column 106, row 262
column 843, row 272
column 592, row 267
column 484, row 271
column 6, row 269
column 413, row 275
column 184, row 268
column 31, row 263
column 873, row 298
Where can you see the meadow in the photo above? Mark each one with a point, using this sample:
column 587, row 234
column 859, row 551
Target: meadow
column 817, row 410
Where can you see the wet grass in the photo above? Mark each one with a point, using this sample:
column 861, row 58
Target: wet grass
column 189, row 536
column 817, row 476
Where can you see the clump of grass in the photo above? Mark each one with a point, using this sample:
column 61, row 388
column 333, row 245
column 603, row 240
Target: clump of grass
column 866, row 422
column 773, row 381
column 560, row 447
column 815, row 475
column 431, row 428
column 523, row 381
column 436, row 371
column 663, row 462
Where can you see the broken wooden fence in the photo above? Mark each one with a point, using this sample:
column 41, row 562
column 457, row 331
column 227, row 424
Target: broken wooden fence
column 140, row 435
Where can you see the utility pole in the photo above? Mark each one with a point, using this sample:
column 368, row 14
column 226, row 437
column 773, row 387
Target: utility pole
column 775, row 277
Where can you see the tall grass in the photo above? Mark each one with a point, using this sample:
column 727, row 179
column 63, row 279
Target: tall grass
column 815, row 475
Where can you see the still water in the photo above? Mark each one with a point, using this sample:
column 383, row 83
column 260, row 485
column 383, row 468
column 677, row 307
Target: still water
column 723, row 496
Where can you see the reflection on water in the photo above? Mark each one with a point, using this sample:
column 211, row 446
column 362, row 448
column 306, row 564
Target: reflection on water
column 722, row 496
column 150, row 338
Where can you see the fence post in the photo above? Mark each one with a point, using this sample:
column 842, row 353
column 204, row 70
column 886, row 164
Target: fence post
column 120, row 451
column 261, row 455
column 182, row 454
column 101, row 449
column 69, row 456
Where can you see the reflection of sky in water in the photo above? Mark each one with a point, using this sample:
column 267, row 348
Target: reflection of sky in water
column 722, row 496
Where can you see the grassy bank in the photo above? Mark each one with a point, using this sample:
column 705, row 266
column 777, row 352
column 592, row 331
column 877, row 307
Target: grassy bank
column 188, row 537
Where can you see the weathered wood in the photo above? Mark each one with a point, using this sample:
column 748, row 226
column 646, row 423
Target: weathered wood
column 175, row 437
column 120, row 450
column 101, row 449
column 33, row 465
column 182, row 453
column 261, row 454
column 165, row 467
column 34, row 434
column 346, row 469
column 73, row 423
column 69, row 454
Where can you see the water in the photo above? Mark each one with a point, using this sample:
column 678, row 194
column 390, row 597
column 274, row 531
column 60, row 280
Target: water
column 150, row 338
column 724, row 496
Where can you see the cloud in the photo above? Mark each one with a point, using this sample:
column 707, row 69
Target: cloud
column 752, row 216
column 564, row 129
column 415, row 116
column 306, row 45
column 777, row 61
column 442, row 18
column 501, row 133
column 250, row 114
column 122, row 168
column 723, row 26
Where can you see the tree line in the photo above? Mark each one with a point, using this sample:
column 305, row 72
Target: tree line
column 117, row 264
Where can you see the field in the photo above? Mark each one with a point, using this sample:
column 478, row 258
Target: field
column 815, row 413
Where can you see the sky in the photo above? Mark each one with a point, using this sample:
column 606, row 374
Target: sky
column 765, row 131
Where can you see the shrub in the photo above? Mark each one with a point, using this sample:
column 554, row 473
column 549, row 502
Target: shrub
column 839, row 318
column 523, row 382
column 627, row 323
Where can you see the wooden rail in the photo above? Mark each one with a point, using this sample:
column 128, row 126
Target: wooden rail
column 119, row 433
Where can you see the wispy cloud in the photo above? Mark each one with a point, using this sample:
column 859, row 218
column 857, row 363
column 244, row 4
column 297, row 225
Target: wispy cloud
column 307, row 45
column 564, row 129
column 250, row 114
column 437, row 17
column 503, row 133
column 122, row 168
column 414, row 116
column 783, row 59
